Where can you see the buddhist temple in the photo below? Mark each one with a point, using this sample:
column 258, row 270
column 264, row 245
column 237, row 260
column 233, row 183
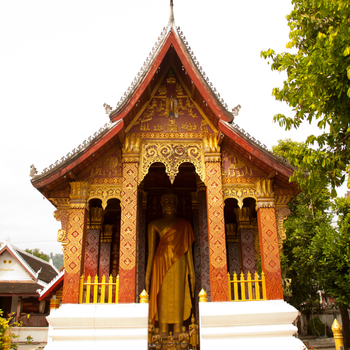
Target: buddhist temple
column 171, row 133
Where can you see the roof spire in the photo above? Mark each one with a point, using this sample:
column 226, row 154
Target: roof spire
column 171, row 17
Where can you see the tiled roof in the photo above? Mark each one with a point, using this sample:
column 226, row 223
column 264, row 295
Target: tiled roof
column 47, row 271
column 52, row 285
column 19, row 287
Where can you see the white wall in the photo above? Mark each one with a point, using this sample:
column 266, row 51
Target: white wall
column 11, row 269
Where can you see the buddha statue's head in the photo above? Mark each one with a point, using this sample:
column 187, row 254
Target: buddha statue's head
column 169, row 203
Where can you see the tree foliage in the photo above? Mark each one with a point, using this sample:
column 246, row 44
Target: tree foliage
column 318, row 84
column 39, row 254
column 57, row 260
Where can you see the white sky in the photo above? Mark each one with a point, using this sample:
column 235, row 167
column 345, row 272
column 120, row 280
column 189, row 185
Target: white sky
column 61, row 60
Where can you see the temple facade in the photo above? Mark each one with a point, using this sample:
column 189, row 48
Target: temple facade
column 171, row 130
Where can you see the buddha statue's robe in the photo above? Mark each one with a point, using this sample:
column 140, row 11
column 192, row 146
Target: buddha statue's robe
column 169, row 286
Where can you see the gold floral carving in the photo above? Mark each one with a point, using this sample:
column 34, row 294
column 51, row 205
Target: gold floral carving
column 96, row 218
column 265, row 194
column 105, row 193
column 131, row 149
column 60, row 202
column 62, row 238
column 78, row 194
column 172, row 155
column 239, row 193
column 62, row 214
column 211, row 148
column 282, row 212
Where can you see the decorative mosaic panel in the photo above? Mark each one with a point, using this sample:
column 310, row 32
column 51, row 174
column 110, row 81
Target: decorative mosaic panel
column 73, row 253
column 91, row 253
column 171, row 111
column 234, row 170
column 270, row 256
column 247, row 250
column 216, row 231
column 127, row 262
column 203, row 242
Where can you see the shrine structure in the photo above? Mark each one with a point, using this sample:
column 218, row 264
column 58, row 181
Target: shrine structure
column 171, row 130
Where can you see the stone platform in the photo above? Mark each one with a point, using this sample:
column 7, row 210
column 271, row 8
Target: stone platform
column 248, row 325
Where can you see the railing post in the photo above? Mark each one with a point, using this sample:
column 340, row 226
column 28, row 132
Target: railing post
column 242, row 286
column 235, row 286
column 88, row 287
column 338, row 335
column 263, row 285
column 103, row 290
column 110, row 289
column 250, row 289
column 116, row 289
column 257, row 289
column 202, row 296
column 95, row 289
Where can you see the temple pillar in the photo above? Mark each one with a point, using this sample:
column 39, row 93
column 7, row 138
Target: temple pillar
column 92, row 241
column 105, row 252
column 246, row 240
column 128, row 229
column 216, row 221
column 269, row 251
column 203, row 239
column 282, row 212
column 76, row 238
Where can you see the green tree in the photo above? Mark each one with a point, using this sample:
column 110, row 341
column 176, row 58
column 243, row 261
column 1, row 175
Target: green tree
column 330, row 252
column 57, row 260
column 316, row 254
column 39, row 254
column 318, row 84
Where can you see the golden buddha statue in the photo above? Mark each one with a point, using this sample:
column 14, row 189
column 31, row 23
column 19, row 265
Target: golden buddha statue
column 193, row 333
column 169, row 265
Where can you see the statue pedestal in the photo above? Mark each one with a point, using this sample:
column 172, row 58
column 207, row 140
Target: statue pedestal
column 248, row 325
column 98, row 326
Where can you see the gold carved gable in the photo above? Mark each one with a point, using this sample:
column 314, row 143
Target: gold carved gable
column 238, row 171
column 171, row 113
column 172, row 154
column 239, row 193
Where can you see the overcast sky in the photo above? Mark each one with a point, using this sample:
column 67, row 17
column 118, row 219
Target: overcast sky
column 60, row 61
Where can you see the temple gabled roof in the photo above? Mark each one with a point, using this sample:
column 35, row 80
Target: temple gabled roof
column 38, row 269
column 170, row 52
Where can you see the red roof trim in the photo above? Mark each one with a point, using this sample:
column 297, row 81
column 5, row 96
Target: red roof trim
column 87, row 153
column 51, row 288
column 191, row 70
column 255, row 151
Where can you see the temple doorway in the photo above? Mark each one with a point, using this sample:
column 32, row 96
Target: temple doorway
column 186, row 186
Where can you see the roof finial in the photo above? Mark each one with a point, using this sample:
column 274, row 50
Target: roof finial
column 171, row 17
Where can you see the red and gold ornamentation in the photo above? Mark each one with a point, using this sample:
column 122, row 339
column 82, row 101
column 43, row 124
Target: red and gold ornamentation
column 216, row 230
column 270, row 255
column 74, row 253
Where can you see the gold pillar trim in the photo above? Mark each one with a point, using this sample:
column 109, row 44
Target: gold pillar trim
column 131, row 149
column 256, row 239
column 60, row 203
column 104, row 193
column 106, row 236
column 78, row 194
column 172, row 154
column 243, row 217
column 239, row 193
column 265, row 194
column 211, row 148
column 96, row 218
